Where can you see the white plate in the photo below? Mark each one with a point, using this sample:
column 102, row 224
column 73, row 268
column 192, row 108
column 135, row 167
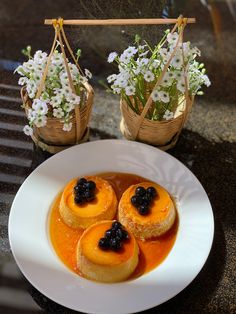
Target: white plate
column 34, row 254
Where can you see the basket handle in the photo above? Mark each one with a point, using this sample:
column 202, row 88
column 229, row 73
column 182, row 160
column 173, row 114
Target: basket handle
column 58, row 26
column 180, row 22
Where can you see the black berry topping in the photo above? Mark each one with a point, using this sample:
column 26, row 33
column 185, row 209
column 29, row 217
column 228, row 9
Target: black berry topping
column 104, row 243
column 143, row 198
column 84, row 191
column 114, row 237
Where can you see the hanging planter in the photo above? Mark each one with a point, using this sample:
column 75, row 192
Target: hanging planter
column 157, row 87
column 56, row 96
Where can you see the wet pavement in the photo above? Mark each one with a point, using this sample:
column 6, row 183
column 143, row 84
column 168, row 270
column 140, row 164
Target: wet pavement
column 207, row 145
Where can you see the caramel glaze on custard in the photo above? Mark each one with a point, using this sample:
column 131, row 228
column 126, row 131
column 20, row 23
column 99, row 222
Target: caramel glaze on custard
column 108, row 266
column 65, row 239
column 104, row 205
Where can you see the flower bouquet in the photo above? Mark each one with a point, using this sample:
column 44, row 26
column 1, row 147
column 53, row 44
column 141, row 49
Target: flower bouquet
column 157, row 87
column 56, row 97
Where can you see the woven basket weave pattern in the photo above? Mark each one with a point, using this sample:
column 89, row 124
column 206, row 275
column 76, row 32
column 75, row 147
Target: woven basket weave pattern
column 52, row 133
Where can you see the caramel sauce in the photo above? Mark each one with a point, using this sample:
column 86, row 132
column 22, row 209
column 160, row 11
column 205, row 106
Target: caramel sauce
column 64, row 239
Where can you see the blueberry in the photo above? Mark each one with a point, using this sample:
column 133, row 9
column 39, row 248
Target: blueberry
column 89, row 195
column 151, row 191
column 104, row 244
column 145, row 201
column 115, row 244
column 79, row 199
column 76, row 188
column 143, row 210
column 81, row 181
column 110, row 233
column 140, row 191
column 90, row 185
column 135, row 200
column 119, row 233
column 116, row 225
column 125, row 235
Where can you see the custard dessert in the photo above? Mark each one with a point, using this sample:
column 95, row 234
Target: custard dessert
column 106, row 252
column 87, row 200
column 147, row 210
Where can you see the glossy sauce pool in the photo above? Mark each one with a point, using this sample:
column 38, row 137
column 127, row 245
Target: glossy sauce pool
column 64, row 239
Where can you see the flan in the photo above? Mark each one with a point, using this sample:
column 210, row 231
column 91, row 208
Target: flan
column 103, row 207
column 161, row 214
column 105, row 265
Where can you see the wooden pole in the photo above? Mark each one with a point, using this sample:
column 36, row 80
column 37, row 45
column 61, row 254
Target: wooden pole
column 120, row 21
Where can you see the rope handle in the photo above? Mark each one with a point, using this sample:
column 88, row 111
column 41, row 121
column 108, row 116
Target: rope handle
column 59, row 34
column 181, row 22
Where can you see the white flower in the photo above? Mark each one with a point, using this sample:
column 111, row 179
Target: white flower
column 163, row 53
column 74, row 99
column 67, row 126
column 31, row 115
column 68, row 107
column 23, row 80
column 58, row 113
column 40, row 57
column 31, row 89
column 66, row 90
column 130, row 51
column 29, row 66
column 112, row 57
column 88, row 73
column 58, row 92
column 168, row 115
column 164, row 96
column 154, row 95
column 52, row 70
column 40, row 121
column 155, row 63
column 181, row 86
column 57, row 59
column 137, row 70
column 178, row 75
column 142, row 62
column 206, row 80
column 73, row 69
column 130, row 90
column 177, row 61
column 172, row 38
column 158, row 95
column 55, row 101
column 149, row 76
column 111, row 78
column 64, row 77
column 28, row 130
column 40, row 107
column 166, row 81
column 116, row 89
column 125, row 58
column 121, row 81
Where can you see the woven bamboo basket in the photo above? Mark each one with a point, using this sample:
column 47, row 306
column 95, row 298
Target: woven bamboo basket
column 51, row 137
column 163, row 134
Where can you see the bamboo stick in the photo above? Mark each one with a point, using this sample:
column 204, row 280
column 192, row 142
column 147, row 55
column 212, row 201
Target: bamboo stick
column 120, row 21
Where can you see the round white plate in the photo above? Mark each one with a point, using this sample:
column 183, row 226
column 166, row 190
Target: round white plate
column 37, row 260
